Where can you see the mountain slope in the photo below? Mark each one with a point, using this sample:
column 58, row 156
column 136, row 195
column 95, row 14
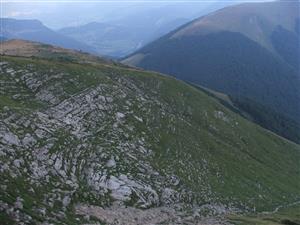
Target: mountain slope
column 249, row 51
column 34, row 30
column 76, row 137
column 257, row 21
column 258, row 113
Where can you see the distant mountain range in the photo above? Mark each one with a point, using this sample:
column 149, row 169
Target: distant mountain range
column 118, row 40
column 34, row 30
column 120, row 32
column 97, row 38
column 125, row 34
column 248, row 51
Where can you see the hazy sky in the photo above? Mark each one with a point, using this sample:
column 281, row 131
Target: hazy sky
column 56, row 14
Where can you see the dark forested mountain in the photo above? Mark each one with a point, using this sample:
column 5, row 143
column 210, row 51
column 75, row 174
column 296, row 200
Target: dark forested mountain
column 84, row 140
column 249, row 51
column 34, row 30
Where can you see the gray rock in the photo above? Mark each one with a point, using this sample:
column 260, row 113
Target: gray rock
column 66, row 201
column 28, row 140
column 10, row 139
column 111, row 163
column 18, row 162
column 18, row 203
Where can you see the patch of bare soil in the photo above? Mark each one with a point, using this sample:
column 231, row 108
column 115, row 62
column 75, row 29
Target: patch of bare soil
column 121, row 215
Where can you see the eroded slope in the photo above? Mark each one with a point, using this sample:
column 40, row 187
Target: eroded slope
column 78, row 136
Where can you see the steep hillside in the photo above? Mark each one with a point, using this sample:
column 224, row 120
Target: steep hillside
column 34, row 30
column 257, row 21
column 258, row 113
column 249, row 51
column 79, row 142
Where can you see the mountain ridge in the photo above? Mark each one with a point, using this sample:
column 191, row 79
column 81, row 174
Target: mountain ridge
column 227, row 59
column 250, row 23
column 34, row 30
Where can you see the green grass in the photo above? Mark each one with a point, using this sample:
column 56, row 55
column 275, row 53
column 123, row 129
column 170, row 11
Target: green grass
column 219, row 159
column 286, row 216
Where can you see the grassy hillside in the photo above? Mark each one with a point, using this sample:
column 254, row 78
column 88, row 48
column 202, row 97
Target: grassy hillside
column 16, row 47
column 249, row 51
column 230, row 63
column 76, row 134
column 259, row 114
column 284, row 216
